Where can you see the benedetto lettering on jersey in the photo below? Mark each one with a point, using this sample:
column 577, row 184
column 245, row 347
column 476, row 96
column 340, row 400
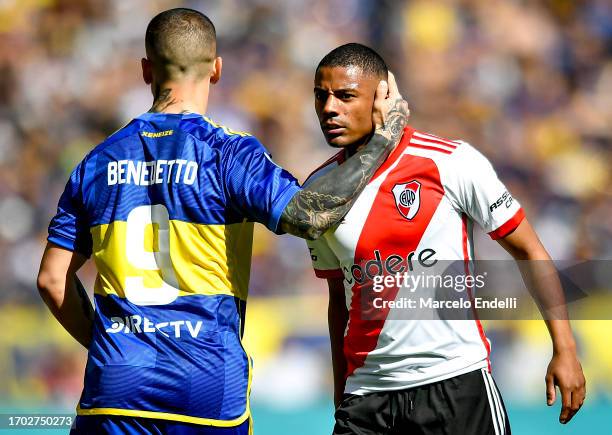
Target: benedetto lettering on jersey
column 155, row 172
column 166, row 208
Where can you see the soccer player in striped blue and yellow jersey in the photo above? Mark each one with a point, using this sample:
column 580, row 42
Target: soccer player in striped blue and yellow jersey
column 166, row 207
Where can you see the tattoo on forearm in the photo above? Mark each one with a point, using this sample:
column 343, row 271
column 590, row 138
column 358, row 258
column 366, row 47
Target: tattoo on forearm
column 322, row 204
column 396, row 121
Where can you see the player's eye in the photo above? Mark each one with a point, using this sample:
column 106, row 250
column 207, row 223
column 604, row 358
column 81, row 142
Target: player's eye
column 345, row 96
column 320, row 96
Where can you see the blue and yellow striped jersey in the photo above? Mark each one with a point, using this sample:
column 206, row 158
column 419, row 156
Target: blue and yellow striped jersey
column 166, row 207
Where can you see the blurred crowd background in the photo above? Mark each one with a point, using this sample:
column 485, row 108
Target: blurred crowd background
column 529, row 83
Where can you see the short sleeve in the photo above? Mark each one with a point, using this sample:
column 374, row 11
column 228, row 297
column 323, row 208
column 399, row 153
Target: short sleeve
column 69, row 227
column 483, row 197
column 257, row 187
column 324, row 261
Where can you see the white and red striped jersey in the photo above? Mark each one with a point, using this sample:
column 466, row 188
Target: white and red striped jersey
column 419, row 207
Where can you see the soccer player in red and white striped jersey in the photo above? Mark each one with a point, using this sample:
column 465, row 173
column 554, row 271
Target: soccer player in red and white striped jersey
column 394, row 376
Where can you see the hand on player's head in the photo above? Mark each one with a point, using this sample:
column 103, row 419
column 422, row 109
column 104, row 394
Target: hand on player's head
column 390, row 113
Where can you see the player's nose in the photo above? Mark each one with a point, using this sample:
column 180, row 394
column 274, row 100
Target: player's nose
column 331, row 105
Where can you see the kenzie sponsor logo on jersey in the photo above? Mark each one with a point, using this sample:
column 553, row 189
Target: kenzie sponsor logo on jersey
column 391, row 265
column 506, row 198
column 136, row 324
column 156, row 134
column 407, row 198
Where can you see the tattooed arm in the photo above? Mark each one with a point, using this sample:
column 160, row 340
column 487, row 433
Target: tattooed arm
column 63, row 292
column 316, row 208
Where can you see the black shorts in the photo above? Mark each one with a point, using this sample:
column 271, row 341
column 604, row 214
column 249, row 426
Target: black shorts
column 468, row 404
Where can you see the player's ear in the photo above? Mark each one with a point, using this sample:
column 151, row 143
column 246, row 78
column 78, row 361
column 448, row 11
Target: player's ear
column 216, row 73
column 147, row 70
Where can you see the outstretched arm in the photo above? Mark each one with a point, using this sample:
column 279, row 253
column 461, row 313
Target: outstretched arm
column 63, row 292
column 316, row 208
column 542, row 281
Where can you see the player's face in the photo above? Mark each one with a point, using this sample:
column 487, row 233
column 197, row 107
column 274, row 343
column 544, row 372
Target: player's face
column 344, row 97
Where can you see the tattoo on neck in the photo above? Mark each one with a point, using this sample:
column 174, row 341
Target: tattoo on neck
column 163, row 99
